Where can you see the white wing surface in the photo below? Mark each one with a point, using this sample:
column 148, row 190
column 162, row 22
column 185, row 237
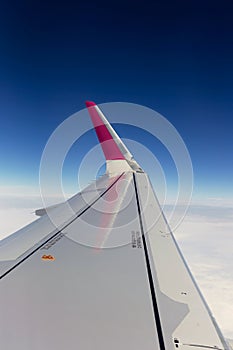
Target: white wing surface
column 102, row 271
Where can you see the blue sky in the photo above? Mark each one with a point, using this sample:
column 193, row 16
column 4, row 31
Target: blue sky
column 174, row 57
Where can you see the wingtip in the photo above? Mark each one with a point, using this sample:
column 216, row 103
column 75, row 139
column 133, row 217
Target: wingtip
column 90, row 104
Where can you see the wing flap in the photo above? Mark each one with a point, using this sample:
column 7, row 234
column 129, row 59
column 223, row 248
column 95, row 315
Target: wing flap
column 185, row 317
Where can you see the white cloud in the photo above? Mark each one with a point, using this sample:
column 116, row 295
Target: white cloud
column 13, row 219
column 206, row 240
column 17, row 207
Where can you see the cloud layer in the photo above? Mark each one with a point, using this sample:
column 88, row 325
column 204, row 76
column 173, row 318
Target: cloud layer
column 206, row 240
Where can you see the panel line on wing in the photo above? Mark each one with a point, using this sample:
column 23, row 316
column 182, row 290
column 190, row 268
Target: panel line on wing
column 152, row 288
column 60, row 230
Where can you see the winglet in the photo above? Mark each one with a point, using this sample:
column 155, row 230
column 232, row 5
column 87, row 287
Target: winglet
column 118, row 157
column 90, row 104
column 109, row 146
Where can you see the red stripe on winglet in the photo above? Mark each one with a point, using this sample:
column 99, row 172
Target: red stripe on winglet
column 108, row 144
column 90, row 104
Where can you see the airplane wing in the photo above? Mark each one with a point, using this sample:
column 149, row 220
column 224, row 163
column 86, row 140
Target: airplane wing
column 103, row 270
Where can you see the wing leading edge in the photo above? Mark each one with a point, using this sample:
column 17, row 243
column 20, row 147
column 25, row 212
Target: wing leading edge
column 102, row 270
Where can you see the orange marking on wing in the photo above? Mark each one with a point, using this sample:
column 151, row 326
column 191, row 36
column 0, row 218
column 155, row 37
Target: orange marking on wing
column 47, row 257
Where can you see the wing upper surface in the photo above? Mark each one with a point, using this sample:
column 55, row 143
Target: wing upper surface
column 102, row 271
column 93, row 292
column 114, row 272
column 23, row 242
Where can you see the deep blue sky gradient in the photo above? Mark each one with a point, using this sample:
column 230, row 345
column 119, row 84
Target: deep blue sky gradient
column 173, row 56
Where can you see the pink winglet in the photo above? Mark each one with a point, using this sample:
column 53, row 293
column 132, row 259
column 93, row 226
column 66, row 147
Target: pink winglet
column 108, row 144
column 90, row 104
